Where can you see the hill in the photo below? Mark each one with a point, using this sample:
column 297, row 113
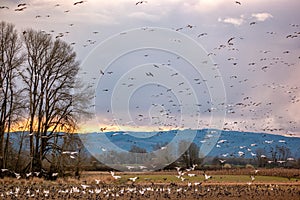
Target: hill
column 223, row 143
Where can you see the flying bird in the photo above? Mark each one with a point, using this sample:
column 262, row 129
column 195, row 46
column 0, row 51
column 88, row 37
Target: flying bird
column 21, row 4
column 130, row 167
column 229, row 41
column 20, row 9
column 202, row 34
column 253, row 154
column 84, row 186
column 140, row 2
column 78, row 2
column 142, row 167
column 197, row 183
column 269, row 141
column 207, row 176
column 97, row 181
column 54, row 174
column 149, row 74
column 18, row 176
column 193, row 166
column 178, row 29
column 290, row 159
column 114, row 176
column 222, row 161
column 191, row 175
column 190, row 26
column 133, row 179
column 264, row 68
column 237, row 2
column 281, row 161
column 28, row 174
column 102, row 129
column 241, row 153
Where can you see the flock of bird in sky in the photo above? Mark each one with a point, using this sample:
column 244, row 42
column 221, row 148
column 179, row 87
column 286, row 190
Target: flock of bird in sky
column 244, row 109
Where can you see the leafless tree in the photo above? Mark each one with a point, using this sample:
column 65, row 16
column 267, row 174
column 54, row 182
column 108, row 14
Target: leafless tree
column 53, row 100
column 46, row 104
column 283, row 152
column 190, row 155
column 261, row 159
column 10, row 103
column 20, row 153
column 164, row 154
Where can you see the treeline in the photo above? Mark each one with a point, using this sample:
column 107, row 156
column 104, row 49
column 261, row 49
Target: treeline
column 277, row 157
column 272, row 157
column 39, row 96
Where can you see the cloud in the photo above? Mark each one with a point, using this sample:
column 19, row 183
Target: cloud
column 241, row 20
column 234, row 21
column 262, row 16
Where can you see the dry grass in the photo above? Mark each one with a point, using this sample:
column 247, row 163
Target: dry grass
column 156, row 191
column 241, row 176
column 225, row 184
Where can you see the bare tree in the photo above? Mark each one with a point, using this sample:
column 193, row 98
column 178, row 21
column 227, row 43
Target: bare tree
column 20, row 152
column 10, row 103
column 50, row 81
column 191, row 155
column 46, row 104
column 261, row 157
column 165, row 155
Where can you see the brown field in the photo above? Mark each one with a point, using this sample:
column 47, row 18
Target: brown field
column 224, row 184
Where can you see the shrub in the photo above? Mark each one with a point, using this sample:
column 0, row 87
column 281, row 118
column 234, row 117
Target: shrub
column 227, row 166
column 248, row 166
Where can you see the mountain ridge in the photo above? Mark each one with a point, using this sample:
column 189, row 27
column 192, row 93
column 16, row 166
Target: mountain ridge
column 229, row 143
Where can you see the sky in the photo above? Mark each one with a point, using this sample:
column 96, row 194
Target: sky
column 175, row 64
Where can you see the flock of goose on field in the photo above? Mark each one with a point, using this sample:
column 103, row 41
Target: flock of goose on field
column 97, row 189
